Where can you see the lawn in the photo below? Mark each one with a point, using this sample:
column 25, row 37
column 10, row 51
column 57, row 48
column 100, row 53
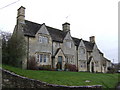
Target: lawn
column 68, row 78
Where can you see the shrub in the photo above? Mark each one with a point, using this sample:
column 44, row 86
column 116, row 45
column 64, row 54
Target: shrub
column 70, row 67
column 111, row 70
column 32, row 63
column 45, row 67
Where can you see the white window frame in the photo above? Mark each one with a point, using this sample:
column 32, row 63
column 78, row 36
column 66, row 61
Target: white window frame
column 43, row 39
column 42, row 58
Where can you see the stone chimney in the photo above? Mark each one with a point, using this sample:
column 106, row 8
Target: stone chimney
column 21, row 15
column 66, row 27
column 92, row 39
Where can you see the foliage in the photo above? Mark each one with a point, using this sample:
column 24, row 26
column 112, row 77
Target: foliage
column 17, row 49
column 45, row 67
column 13, row 48
column 117, row 67
column 69, row 78
column 32, row 63
column 70, row 67
column 5, row 36
column 111, row 70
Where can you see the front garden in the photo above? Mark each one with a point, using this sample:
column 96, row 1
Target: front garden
column 68, row 78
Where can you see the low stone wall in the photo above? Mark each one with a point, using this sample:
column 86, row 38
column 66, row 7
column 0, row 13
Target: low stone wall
column 118, row 86
column 12, row 80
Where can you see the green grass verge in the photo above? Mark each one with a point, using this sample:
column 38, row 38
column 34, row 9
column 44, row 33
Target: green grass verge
column 68, row 78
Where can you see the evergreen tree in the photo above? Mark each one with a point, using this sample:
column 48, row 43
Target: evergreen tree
column 17, row 49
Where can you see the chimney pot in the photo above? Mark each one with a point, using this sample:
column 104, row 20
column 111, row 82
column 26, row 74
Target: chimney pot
column 66, row 27
column 92, row 39
column 21, row 15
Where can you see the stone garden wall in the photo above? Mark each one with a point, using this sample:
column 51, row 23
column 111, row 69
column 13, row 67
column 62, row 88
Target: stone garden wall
column 12, row 80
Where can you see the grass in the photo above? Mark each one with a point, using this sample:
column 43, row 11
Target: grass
column 68, row 78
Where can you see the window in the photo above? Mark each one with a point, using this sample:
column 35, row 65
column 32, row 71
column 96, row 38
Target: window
column 40, row 39
column 43, row 39
column 82, row 50
column 47, row 58
column 37, row 58
column 70, row 59
column 42, row 58
column 69, row 44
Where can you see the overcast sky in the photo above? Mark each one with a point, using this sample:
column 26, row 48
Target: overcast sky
column 87, row 18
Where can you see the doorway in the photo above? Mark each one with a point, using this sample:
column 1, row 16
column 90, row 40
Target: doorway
column 59, row 64
column 92, row 67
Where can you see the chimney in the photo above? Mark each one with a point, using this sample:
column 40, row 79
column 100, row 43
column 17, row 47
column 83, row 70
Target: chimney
column 21, row 15
column 66, row 27
column 92, row 39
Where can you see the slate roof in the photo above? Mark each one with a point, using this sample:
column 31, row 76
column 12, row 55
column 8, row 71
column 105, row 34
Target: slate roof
column 89, row 45
column 56, row 34
column 76, row 41
column 31, row 28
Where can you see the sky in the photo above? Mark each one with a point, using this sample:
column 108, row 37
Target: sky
column 87, row 18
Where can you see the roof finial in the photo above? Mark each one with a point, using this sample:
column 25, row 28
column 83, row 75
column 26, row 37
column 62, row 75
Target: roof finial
column 66, row 18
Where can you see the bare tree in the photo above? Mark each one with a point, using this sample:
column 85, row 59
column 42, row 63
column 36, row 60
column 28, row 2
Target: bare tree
column 4, row 37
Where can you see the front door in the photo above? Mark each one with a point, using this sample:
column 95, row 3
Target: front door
column 59, row 62
column 92, row 67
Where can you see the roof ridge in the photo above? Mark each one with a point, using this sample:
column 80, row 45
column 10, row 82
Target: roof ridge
column 45, row 25
column 33, row 22
column 76, row 38
column 54, row 28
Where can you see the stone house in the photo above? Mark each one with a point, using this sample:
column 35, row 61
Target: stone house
column 51, row 46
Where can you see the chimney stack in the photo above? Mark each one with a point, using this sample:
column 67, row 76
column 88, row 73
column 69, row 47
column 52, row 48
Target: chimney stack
column 21, row 15
column 92, row 39
column 66, row 27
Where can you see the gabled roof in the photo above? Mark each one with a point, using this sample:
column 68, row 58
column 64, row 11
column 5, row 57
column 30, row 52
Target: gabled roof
column 89, row 46
column 76, row 41
column 56, row 34
column 31, row 28
column 58, row 51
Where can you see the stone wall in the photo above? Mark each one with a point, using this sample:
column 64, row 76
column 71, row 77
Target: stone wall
column 12, row 80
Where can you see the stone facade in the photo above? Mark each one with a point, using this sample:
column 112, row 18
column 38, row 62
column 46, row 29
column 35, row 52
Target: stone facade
column 51, row 46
